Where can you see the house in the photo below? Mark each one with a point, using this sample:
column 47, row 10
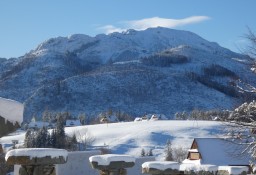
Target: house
column 70, row 123
column 146, row 117
column 158, row 117
column 37, row 124
column 138, row 119
column 217, row 151
column 109, row 119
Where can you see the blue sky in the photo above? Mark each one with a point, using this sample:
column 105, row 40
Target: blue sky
column 25, row 24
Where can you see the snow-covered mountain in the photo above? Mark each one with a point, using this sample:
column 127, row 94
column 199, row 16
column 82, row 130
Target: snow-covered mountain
column 158, row 70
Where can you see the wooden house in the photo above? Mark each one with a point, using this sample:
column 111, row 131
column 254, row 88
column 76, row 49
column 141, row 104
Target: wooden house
column 217, row 151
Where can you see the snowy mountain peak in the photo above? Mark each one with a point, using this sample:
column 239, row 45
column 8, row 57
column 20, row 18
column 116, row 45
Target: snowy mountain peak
column 63, row 44
column 131, row 42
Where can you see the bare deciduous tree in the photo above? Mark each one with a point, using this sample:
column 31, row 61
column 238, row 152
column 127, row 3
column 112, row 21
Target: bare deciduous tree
column 251, row 38
column 242, row 128
column 85, row 139
column 180, row 154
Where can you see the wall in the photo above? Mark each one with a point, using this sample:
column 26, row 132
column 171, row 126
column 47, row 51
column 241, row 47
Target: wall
column 136, row 169
column 78, row 164
column 16, row 169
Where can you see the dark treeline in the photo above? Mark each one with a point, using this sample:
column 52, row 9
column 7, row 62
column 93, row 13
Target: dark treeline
column 207, row 81
column 7, row 126
column 203, row 115
column 42, row 138
column 164, row 60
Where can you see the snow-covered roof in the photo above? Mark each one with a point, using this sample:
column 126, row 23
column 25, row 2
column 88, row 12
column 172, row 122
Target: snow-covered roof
column 73, row 123
column 197, row 168
column 37, row 152
column 107, row 158
column 158, row 117
column 218, row 151
column 137, row 119
column 193, row 150
column 234, row 169
column 38, row 124
column 110, row 118
column 11, row 110
column 164, row 165
column 161, row 165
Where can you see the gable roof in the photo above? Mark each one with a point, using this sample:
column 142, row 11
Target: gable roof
column 218, row 151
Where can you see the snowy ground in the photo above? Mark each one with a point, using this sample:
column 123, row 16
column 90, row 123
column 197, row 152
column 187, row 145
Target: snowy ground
column 131, row 137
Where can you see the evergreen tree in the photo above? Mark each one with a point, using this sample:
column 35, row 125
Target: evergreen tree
column 72, row 143
column 73, row 139
column 142, row 154
column 53, row 138
column 41, row 138
column 150, row 152
column 168, row 151
column 28, row 142
column 60, row 134
column 48, row 140
column 47, row 116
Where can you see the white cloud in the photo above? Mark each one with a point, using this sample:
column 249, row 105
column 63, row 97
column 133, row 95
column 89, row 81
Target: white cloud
column 154, row 22
column 110, row 29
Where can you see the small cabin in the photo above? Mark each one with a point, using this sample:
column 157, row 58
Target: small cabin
column 193, row 153
column 70, row 123
column 145, row 118
column 217, row 151
column 155, row 117
column 109, row 119
column 138, row 119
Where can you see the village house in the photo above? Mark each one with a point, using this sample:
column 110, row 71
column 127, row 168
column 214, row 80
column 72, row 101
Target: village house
column 70, row 123
column 217, row 151
column 158, row 117
column 151, row 117
column 38, row 125
column 109, row 119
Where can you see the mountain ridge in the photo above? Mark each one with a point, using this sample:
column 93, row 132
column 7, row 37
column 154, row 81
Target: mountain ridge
column 62, row 69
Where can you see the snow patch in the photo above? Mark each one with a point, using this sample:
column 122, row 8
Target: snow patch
column 38, row 152
column 234, row 169
column 107, row 158
column 161, row 165
column 197, row 168
column 11, row 110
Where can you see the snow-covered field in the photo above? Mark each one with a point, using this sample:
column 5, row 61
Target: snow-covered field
column 11, row 110
column 131, row 137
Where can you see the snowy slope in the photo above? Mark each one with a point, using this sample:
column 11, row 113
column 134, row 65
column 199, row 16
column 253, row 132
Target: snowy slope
column 11, row 110
column 131, row 137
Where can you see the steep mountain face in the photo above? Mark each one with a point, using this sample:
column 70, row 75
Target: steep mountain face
column 158, row 70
